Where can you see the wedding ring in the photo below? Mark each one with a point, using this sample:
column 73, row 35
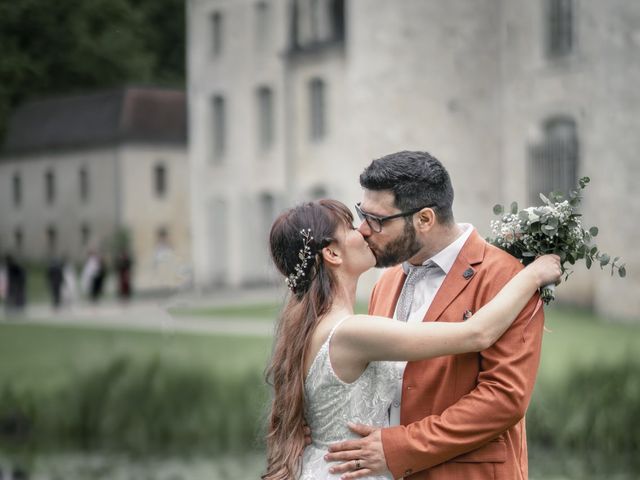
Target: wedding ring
column 358, row 467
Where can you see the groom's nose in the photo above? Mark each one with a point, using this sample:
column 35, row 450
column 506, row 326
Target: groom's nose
column 365, row 229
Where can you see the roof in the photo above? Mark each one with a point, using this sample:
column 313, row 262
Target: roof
column 129, row 114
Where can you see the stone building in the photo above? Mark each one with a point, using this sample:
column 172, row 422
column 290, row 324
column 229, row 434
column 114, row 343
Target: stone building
column 77, row 172
column 290, row 99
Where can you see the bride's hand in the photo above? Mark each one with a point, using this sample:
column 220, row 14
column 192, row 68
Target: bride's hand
column 546, row 269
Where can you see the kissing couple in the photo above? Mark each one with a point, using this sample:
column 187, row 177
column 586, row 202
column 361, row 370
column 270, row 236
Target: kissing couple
column 434, row 383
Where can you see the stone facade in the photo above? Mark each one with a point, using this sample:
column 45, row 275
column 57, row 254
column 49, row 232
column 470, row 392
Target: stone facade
column 104, row 180
column 474, row 82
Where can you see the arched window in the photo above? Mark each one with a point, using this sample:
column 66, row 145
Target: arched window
column 553, row 163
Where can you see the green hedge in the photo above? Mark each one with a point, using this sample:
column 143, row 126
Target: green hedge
column 593, row 417
column 147, row 407
column 152, row 407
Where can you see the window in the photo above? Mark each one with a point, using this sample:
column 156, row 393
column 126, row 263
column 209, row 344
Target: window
column 50, row 186
column 559, row 35
column 52, row 239
column 17, row 190
column 85, row 235
column 83, row 184
column 18, row 239
column 216, row 33
column 317, row 120
column 263, row 27
column 219, row 128
column 160, row 180
column 265, row 118
column 267, row 213
column 553, row 164
column 315, row 23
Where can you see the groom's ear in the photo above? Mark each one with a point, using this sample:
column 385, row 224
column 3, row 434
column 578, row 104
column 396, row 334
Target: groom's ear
column 426, row 219
column 331, row 256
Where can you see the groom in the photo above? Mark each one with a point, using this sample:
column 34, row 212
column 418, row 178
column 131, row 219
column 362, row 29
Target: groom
column 455, row 417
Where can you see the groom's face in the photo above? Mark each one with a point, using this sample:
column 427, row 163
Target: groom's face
column 397, row 241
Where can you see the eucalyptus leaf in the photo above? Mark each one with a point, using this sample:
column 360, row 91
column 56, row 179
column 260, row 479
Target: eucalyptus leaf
column 514, row 207
column 593, row 231
column 498, row 209
column 622, row 272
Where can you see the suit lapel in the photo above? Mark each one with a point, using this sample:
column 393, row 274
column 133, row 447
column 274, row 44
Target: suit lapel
column 386, row 304
column 458, row 277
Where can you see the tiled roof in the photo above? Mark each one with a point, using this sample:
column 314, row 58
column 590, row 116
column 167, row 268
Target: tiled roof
column 134, row 114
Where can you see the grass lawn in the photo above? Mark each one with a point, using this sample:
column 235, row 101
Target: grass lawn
column 43, row 357
column 580, row 339
column 259, row 311
column 262, row 311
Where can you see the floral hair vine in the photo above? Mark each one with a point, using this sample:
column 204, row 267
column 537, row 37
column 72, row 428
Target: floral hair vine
column 304, row 254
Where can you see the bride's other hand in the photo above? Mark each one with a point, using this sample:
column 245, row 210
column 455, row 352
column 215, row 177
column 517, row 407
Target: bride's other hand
column 546, row 269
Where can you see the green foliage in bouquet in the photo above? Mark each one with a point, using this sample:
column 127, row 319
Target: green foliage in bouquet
column 554, row 227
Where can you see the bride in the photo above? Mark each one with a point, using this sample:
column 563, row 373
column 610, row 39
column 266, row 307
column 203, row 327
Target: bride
column 331, row 366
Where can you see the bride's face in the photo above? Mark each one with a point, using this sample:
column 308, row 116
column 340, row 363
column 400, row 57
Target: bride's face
column 357, row 257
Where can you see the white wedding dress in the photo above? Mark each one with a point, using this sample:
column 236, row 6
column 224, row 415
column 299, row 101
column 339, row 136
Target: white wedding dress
column 330, row 403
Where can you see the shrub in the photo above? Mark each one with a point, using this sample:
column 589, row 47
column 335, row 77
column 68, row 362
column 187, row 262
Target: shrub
column 595, row 415
column 147, row 407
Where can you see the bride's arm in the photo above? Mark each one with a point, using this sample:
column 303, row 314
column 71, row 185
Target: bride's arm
column 369, row 338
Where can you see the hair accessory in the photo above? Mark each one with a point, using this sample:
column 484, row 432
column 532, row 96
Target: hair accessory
column 304, row 254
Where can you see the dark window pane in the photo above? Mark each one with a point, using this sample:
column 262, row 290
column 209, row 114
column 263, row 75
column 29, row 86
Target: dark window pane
column 50, row 187
column 553, row 163
column 219, row 128
column 216, row 33
column 265, row 118
column 17, row 190
column 160, row 180
column 559, row 27
column 317, row 101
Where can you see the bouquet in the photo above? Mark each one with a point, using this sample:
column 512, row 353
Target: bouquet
column 554, row 227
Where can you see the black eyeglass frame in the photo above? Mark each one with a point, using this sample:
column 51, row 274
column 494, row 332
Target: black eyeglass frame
column 369, row 217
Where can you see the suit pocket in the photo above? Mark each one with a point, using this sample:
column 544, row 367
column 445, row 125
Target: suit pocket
column 492, row 452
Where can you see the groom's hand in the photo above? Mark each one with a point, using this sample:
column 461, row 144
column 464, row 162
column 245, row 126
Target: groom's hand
column 360, row 458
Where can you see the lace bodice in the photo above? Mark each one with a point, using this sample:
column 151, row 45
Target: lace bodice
column 330, row 403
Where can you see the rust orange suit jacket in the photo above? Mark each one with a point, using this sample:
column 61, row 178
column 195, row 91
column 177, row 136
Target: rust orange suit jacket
column 462, row 416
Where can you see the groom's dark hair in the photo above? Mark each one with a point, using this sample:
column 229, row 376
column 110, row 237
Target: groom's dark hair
column 416, row 179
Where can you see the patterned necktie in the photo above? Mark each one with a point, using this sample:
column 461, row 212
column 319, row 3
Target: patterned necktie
column 416, row 274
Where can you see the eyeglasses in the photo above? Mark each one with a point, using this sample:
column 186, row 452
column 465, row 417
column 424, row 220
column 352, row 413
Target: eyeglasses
column 375, row 222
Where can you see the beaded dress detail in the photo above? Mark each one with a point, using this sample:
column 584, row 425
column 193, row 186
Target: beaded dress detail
column 330, row 403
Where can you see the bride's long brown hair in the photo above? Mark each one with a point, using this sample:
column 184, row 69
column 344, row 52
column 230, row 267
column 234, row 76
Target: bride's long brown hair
column 310, row 299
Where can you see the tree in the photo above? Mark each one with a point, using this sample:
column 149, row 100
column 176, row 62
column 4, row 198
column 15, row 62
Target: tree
column 68, row 46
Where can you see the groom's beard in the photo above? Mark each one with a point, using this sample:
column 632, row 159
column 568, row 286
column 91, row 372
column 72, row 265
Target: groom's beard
column 399, row 250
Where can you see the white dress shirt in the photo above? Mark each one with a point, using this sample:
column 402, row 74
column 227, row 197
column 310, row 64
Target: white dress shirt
column 424, row 293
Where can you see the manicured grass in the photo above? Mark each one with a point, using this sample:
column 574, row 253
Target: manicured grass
column 580, row 339
column 264, row 311
column 41, row 357
column 44, row 356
